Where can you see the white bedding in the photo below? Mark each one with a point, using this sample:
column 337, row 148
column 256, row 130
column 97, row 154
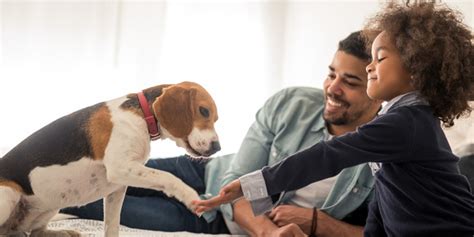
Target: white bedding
column 92, row 228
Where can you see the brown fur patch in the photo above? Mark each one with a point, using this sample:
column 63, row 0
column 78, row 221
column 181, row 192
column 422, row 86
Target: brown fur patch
column 99, row 129
column 202, row 98
column 12, row 185
column 173, row 111
column 178, row 109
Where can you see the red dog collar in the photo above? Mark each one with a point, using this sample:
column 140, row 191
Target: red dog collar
column 149, row 118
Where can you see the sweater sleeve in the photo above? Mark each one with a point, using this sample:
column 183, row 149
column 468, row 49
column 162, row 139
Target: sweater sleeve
column 388, row 138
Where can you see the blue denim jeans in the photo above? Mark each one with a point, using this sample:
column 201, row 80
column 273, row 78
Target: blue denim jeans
column 153, row 210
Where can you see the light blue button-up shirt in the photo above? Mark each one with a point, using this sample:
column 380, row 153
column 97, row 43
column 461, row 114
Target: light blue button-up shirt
column 290, row 121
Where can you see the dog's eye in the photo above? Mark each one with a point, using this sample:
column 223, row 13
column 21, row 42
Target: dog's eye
column 204, row 112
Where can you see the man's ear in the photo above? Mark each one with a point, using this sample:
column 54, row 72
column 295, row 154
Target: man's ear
column 174, row 110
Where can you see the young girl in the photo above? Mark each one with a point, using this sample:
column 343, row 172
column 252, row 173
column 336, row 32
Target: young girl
column 423, row 67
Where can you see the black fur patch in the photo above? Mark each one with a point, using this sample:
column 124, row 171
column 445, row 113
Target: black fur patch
column 150, row 94
column 58, row 143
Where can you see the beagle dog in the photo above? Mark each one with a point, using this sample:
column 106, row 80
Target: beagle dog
column 98, row 151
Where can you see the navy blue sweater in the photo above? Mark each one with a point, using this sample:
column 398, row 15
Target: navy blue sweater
column 418, row 190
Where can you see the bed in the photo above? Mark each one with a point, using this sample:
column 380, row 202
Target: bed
column 93, row 228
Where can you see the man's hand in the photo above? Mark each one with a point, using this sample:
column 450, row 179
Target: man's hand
column 255, row 226
column 327, row 225
column 287, row 214
column 227, row 194
column 291, row 230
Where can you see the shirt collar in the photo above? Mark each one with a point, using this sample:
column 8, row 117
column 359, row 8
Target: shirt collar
column 319, row 124
column 408, row 99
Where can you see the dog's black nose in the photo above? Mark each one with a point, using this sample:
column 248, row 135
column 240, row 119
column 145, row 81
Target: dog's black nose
column 215, row 147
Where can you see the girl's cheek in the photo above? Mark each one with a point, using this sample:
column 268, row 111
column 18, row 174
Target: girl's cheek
column 371, row 91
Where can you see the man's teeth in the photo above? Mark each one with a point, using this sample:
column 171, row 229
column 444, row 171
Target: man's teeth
column 333, row 103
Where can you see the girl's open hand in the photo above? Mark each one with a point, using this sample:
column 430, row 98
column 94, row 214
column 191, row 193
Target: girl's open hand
column 227, row 194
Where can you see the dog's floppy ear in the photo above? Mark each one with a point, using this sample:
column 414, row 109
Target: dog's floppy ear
column 174, row 110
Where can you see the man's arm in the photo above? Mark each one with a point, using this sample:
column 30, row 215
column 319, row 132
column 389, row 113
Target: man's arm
column 253, row 225
column 264, row 226
column 283, row 215
column 327, row 225
column 280, row 216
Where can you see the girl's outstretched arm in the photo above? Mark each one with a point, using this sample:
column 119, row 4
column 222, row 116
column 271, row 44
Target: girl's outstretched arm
column 227, row 194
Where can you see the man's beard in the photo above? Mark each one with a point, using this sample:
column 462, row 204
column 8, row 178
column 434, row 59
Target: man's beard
column 339, row 120
column 342, row 119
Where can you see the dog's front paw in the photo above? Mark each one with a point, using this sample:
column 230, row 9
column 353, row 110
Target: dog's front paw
column 186, row 195
column 183, row 192
column 190, row 196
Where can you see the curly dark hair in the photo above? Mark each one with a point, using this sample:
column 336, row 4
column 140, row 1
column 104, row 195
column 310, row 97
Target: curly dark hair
column 436, row 49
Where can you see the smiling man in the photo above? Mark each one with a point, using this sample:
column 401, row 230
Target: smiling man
column 295, row 119
column 291, row 120
column 347, row 104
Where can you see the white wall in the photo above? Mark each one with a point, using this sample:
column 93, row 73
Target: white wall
column 59, row 56
column 313, row 29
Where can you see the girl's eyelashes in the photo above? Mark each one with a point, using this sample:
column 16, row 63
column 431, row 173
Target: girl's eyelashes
column 381, row 59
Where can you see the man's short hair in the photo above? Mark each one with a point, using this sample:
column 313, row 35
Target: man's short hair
column 355, row 45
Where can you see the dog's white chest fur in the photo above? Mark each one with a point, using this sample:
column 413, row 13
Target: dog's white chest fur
column 76, row 183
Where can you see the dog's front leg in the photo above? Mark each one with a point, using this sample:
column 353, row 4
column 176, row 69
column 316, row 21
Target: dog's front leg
column 137, row 175
column 112, row 207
